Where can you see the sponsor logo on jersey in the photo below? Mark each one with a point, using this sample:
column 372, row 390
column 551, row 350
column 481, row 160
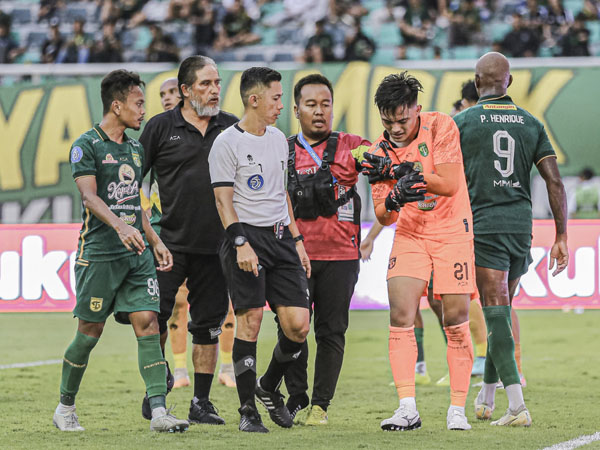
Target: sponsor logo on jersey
column 109, row 159
column 423, row 150
column 127, row 188
column 495, row 106
column 428, row 204
column 507, row 183
column 136, row 159
column 256, row 182
column 126, row 174
column 96, row 304
column 129, row 219
column 76, row 154
column 175, row 138
column 95, row 141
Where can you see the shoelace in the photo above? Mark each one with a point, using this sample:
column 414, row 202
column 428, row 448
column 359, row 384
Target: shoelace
column 72, row 420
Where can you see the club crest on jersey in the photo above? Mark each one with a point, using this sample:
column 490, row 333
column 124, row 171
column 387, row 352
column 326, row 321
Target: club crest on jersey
column 96, row 304
column 256, row 182
column 109, row 159
column 76, row 154
column 136, row 159
column 423, row 150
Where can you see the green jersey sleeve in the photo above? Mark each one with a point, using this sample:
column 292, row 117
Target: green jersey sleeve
column 83, row 158
column 544, row 147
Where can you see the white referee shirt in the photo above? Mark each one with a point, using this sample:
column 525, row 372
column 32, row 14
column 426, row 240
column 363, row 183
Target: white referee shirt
column 256, row 167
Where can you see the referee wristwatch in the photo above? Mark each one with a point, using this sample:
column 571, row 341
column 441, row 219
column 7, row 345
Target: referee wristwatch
column 238, row 241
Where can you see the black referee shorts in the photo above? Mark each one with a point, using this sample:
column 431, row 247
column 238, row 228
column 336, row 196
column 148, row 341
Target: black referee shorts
column 281, row 278
column 208, row 298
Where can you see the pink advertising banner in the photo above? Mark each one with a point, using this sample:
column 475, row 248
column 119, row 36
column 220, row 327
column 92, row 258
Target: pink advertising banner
column 37, row 262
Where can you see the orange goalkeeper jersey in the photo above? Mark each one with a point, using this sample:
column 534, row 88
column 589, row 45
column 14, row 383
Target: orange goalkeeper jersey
column 439, row 218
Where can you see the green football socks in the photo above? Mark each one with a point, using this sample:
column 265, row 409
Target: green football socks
column 501, row 346
column 152, row 367
column 74, row 364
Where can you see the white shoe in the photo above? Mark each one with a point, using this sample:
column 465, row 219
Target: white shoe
column 519, row 418
column 404, row 419
column 456, row 420
column 67, row 422
column 168, row 422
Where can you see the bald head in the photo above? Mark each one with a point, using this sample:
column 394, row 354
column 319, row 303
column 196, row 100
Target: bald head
column 169, row 94
column 492, row 74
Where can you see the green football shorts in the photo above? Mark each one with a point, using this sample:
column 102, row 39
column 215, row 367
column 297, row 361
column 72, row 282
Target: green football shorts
column 506, row 252
column 121, row 286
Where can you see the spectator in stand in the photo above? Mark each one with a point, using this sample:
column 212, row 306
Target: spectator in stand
column 416, row 26
column 348, row 11
column 465, row 24
column 576, row 42
column 49, row 9
column 359, row 46
column 202, row 16
column 591, row 9
column 108, row 48
column 162, row 48
column 53, row 43
column 319, row 48
column 77, row 48
column 556, row 23
column 179, row 9
column 521, row 41
column 120, row 9
column 9, row 48
column 236, row 28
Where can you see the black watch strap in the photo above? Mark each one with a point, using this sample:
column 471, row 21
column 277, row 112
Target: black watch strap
column 299, row 238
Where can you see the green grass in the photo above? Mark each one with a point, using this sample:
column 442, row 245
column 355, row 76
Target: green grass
column 560, row 361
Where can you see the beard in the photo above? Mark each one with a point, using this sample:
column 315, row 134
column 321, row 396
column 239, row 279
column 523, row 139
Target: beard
column 202, row 109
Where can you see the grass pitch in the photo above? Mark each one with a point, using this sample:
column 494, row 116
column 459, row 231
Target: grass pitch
column 560, row 361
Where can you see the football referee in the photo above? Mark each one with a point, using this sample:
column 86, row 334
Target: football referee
column 262, row 255
column 177, row 144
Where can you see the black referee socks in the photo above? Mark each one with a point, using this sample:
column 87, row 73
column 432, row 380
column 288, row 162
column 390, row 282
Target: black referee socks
column 284, row 354
column 244, row 366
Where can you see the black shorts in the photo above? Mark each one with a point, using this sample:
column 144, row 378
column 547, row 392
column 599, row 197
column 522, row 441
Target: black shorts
column 207, row 298
column 281, row 278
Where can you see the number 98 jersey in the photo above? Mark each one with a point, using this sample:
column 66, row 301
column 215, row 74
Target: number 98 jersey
column 500, row 143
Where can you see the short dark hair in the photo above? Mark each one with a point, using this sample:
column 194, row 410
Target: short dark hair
column 587, row 173
column 188, row 69
column 256, row 76
column 313, row 78
column 469, row 91
column 397, row 90
column 457, row 105
column 117, row 85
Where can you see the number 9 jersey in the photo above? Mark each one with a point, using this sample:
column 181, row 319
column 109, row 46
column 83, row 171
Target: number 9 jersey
column 500, row 143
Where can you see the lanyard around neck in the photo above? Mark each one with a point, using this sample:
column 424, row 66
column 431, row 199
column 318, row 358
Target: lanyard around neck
column 312, row 153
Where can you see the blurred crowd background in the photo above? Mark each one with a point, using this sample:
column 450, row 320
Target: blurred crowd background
column 378, row 31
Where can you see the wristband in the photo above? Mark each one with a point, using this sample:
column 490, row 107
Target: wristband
column 234, row 230
column 299, row 238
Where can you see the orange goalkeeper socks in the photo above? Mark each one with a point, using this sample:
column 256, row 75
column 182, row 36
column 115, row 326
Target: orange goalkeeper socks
column 459, row 354
column 403, row 359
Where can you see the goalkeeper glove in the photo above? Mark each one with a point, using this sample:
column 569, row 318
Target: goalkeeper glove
column 405, row 191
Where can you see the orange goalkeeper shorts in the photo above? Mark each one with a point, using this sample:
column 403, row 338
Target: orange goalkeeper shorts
column 453, row 264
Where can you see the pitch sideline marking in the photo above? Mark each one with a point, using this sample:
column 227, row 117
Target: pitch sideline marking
column 574, row 443
column 30, row 364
